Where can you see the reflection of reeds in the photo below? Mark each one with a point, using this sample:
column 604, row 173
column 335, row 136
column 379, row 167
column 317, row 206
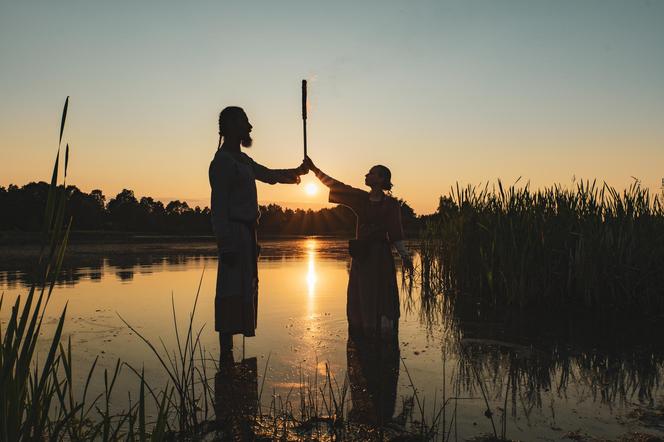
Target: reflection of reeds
column 318, row 410
column 518, row 377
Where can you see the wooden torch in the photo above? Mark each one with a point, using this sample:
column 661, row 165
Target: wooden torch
column 304, row 114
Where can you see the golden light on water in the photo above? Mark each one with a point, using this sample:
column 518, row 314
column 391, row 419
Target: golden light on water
column 311, row 277
column 311, row 267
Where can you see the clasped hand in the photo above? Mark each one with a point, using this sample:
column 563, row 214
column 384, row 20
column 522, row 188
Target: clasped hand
column 302, row 169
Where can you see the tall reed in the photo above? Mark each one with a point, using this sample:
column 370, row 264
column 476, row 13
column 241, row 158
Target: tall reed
column 585, row 249
column 36, row 397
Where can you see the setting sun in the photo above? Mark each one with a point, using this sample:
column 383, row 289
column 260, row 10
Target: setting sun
column 311, row 189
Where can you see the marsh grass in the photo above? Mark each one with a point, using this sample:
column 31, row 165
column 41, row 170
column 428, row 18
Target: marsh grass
column 589, row 249
column 191, row 395
column 546, row 289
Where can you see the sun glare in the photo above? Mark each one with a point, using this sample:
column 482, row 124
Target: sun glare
column 311, row 189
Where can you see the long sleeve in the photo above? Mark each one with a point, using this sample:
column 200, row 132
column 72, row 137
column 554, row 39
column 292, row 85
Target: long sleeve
column 327, row 180
column 341, row 193
column 274, row 176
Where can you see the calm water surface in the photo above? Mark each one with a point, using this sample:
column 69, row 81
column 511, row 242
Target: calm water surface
column 547, row 391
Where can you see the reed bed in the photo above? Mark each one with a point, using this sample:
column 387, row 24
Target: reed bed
column 587, row 249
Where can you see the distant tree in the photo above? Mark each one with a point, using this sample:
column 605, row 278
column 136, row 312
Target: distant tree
column 446, row 206
column 86, row 210
column 99, row 198
column 152, row 207
column 25, row 206
column 153, row 215
column 409, row 219
column 202, row 221
column 124, row 211
column 4, row 221
column 175, row 208
column 22, row 209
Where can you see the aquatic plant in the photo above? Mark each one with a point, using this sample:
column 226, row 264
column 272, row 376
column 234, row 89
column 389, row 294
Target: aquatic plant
column 515, row 250
column 36, row 399
column 28, row 390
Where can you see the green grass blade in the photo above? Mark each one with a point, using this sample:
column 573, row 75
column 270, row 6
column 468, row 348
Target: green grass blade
column 64, row 118
column 141, row 409
column 66, row 159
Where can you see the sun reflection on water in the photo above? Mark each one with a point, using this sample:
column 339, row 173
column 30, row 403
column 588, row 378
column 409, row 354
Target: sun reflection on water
column 311, row 278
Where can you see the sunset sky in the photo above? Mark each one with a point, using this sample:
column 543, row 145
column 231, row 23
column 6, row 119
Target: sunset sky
column 438, row 91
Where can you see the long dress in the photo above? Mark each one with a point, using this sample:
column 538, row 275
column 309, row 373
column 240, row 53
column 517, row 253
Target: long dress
column 234, row 210
column 373, row 296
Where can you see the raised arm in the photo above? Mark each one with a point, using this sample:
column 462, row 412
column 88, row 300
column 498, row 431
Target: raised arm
column 324, row 178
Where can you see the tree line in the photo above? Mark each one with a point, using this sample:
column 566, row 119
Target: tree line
column 22, row 209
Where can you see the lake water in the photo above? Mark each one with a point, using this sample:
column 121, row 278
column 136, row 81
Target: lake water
column 546, row 390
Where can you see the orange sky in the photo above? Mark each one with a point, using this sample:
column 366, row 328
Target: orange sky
column 439, row 92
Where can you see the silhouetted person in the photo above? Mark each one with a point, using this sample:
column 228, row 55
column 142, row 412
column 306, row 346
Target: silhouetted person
column 373, row 296
column 373, row 373
column 234, row 210
column 236, row 398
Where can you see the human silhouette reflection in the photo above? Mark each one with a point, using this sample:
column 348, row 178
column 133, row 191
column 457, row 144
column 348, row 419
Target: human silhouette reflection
column 236, row 397
column 373, row 372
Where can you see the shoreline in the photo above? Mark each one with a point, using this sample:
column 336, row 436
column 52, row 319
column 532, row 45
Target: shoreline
column 111, row 237
column 22, row 250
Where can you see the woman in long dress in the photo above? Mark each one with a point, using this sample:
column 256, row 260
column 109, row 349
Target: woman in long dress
column 373, row 295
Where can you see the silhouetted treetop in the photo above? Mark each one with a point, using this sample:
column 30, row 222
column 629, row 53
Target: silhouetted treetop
column 22, row 210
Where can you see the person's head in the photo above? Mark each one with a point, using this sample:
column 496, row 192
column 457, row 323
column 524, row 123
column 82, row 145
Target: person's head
column 379, row 177
column 234, row 125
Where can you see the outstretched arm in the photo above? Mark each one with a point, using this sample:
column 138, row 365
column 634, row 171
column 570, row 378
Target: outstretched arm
column 324, row 178
column 273, row 176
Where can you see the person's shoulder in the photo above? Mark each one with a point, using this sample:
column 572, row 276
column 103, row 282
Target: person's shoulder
column 222, row 155
column 243, row 158
column 392, row 202
column 227, row 157
column 360, row 193
column 223, row 161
